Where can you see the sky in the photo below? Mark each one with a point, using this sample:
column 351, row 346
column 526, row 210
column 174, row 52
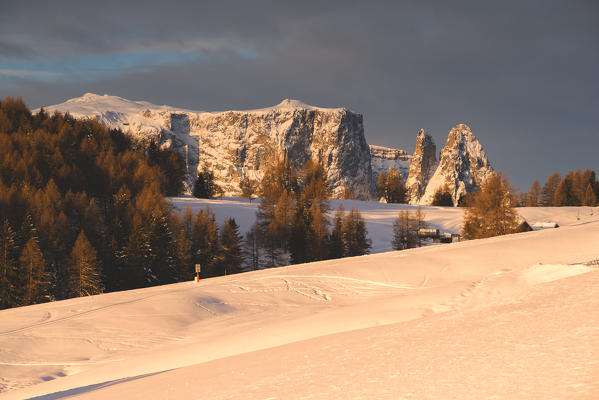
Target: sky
column 522, row 74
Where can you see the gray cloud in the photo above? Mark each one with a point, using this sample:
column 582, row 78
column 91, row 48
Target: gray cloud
column 521, row 74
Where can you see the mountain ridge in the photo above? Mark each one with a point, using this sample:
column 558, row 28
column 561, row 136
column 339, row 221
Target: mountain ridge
column 239, row 144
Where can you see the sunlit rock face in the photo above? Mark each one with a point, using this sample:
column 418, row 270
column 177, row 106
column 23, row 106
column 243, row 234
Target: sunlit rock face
column 463, row 166
column 422, row 167
column 239, row 144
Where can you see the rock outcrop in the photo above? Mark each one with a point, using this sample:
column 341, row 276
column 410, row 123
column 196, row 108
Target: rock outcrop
column 422, row 167
column 238, row 144
column 463, row 166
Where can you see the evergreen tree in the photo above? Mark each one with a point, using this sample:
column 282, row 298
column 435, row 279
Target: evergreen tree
column 563, row 194
column 533, row 199
column 204, row 242
column 405, row 231
column 137, row 259
column 36, row 285
column 162, row 258
column 9, row 277
column 248, row 188
column 443, row 197
column 355, row 235
column 550, row 187
column 491, row 212
column 252, row 249
column 230, row 242
column 589, row 197
column 390, row 187
column 589, row 177
column 381, row 186
column 184, row 263
column 84, row 269
column 420, row 223
column 318, row 234
column 204, row 187
column 313, row 186
column 336, row 246
column 298, row 242
column 396, row 191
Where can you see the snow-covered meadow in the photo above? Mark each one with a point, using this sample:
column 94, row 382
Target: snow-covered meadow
column 507, row 317
column 379, row 217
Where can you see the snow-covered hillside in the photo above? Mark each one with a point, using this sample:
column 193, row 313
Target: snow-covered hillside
column 511, row 317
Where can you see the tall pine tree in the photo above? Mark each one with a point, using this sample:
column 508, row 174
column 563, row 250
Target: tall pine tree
column 84, row 269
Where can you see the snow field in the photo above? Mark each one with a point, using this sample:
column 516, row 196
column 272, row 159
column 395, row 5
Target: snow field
column 506, row 317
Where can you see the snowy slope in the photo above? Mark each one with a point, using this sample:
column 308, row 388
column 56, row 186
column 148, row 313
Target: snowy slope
column 507, row 317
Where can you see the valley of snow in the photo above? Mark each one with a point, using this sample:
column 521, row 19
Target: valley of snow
column 512, row 317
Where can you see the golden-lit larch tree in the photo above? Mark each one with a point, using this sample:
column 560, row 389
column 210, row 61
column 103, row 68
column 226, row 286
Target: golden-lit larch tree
column 84, row 269
column 491, row 211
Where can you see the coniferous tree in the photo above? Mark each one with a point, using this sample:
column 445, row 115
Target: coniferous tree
column 589, row 198
column 252, row 250
column 405, row 230
column 205, row 187
column 36, row 281
column 248, row 188
column 184, row 263
column 337, row 248
column 298, row 242
column 533, row 198
column 204, row 242
column 230, row 242
column 84, row 269
column 355, row 235
column 318, row 234
column 396, row 191
column 9, row 277
column 443, row 197
column 491, row 212
column 550, row 187
column 390, row 186
column 381, row 186
column 162, row 250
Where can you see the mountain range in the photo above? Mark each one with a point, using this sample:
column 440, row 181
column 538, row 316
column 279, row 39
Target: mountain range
column 239, row 144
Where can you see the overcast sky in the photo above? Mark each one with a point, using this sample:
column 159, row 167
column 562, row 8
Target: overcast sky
column 522, row 74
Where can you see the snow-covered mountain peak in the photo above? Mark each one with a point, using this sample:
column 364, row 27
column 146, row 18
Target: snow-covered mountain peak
column 463, row 166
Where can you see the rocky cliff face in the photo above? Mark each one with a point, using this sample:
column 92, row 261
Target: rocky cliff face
column 463, row 166
column 383, row 158
column 424, row 162
column 238, row 144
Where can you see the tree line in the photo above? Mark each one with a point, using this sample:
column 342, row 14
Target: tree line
column 82, row 209
column 576, row 188
column 292, row 225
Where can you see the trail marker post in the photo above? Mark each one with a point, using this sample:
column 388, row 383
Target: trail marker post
column 198, row 270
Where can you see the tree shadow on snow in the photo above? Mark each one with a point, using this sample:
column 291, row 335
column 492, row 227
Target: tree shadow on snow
column 90, row 388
